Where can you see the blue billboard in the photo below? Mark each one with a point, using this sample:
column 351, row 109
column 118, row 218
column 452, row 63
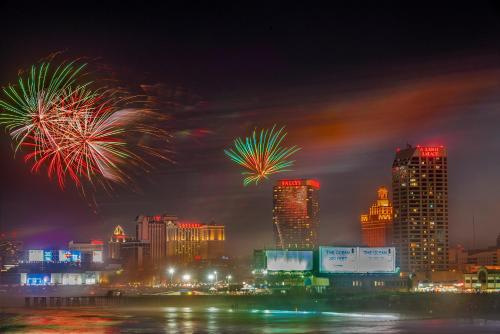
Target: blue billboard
column 289, row 260
column 37, row 279
column 50, row 256
column 70, row 256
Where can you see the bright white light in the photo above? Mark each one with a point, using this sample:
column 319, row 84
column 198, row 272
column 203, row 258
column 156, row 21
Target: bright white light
column 171, row 270
column 186, row 277
column 211, row 277
column 229, row 277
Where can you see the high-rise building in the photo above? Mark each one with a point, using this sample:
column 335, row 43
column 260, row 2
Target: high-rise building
column 190, row 241
column 376, row 225
column 135, row 255
column 420, row 200
column 114, row 244
column 154, row 230
column 296, row 213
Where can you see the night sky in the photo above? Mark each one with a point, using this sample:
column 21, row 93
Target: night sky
column 351, row 85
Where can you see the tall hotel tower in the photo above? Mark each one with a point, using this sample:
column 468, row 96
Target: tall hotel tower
column 420, row 199
column 154, row 230
column 296, row 214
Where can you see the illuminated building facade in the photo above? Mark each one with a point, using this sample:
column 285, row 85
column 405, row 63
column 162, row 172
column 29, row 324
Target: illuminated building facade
column 61, row 266
column 483, row 278
column 296, row 213
column 153, row 229
column 187, row 242
column 420, row 199
column 92, row 251
column 11, row 252
column 376, row 226
column 114, row 244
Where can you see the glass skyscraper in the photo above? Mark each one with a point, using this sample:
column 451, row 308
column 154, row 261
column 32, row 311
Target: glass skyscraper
column 296, row 213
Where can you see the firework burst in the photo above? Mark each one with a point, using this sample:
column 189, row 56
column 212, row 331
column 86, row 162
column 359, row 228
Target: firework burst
column 262, row 154
column 72, row 130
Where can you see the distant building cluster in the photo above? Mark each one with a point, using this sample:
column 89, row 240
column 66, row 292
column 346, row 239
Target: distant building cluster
column 413, row 229
column 165, row 240
column 403, row 240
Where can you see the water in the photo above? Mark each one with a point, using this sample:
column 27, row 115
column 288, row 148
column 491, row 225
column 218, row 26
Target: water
column 215, row 320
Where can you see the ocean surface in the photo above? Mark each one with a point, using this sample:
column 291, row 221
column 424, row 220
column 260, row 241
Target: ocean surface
column 216, row 320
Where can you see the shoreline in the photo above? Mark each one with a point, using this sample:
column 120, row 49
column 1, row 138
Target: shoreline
column 414, row 304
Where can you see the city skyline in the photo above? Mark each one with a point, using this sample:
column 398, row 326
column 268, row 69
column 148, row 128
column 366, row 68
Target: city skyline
column 213, row 167
column 348, row 111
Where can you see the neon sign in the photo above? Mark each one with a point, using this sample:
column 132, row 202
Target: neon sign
column 290, row 183
column 296, row 183
column 189, row 225
column 429, row 151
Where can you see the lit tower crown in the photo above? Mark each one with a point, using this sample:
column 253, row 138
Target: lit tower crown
column 383, row 199
column 376, row 226
column 119, row 234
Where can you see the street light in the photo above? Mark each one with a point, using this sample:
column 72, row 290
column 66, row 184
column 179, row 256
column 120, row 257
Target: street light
column 229, row 277
column 186, row 277
column 210, row 277
column 171, row 271
column 215, row 273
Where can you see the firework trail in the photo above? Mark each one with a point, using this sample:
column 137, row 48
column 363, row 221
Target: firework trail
column 262, row 154
column 75, row 131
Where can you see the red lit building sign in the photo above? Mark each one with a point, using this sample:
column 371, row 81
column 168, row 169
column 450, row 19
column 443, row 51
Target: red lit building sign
column 429, row 151
column 296, row 183
column 290, row 183
column 190, row 225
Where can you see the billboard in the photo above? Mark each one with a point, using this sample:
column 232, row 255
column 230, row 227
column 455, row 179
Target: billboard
column 289, row 260
column 35, row 255
column 50, row 256
column 338, row 259
column 97, row 256
column 377, row 260
column 357, row 259
column 70, row 256
column 37, row 279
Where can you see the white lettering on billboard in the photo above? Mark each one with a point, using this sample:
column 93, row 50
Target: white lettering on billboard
column 338, row 259
column 376, row 260
column 357, row 259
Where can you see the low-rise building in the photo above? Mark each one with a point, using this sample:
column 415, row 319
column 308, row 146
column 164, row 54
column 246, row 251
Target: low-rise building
column 461, row 259
column 483, row 278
